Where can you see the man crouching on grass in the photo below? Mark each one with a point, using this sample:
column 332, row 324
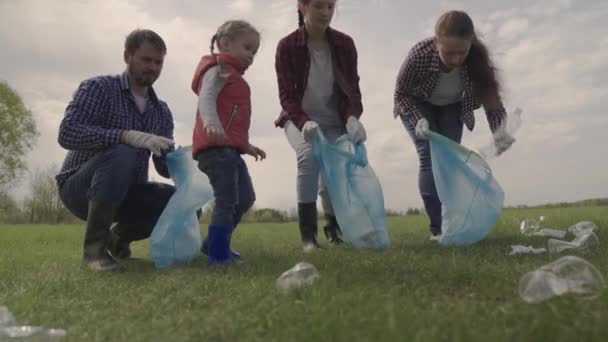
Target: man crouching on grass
column 110, row 127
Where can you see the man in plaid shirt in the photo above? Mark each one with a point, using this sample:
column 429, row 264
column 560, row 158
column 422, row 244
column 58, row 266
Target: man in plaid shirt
column 110, row 127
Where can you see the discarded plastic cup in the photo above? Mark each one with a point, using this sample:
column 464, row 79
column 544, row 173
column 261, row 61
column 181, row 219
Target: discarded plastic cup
column 568, row 274
column 519, row 249
column 582, row 227
column 31, row 333
column 510, row 126
column 6, row 317
column 10, row 330
column 529, row 227
column 301, row 275
column 585, row 243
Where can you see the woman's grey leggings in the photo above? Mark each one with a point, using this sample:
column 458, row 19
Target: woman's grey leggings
column 308, row 182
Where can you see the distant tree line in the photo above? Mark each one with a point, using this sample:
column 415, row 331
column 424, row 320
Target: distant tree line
column 594, row 202
column 41, row 205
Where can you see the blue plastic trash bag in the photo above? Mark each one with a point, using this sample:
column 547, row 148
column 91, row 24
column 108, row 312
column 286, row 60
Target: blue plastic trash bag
column 176, row 238
column 354, row 190
column 471, row 199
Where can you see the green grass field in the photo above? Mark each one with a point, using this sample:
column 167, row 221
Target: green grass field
column 416, row 291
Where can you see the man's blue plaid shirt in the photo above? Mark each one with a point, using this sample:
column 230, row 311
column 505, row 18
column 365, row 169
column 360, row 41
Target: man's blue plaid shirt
column 100, row 110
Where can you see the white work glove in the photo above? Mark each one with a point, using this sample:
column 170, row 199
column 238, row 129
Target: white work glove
column 422, row 129
column 355, row 129
column 502, row 140
column 309, row 130
column 156, row 144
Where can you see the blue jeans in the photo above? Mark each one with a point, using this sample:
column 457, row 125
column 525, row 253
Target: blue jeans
column 231, row 183
column 446, row 121
column 109, row 178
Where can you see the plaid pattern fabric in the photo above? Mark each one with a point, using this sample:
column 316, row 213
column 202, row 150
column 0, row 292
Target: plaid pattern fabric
column 292, row 65
column 418, row 77
column 100, row 109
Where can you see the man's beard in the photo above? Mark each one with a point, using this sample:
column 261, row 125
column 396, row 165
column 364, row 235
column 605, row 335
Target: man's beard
column 146, row 80
column 142, row 79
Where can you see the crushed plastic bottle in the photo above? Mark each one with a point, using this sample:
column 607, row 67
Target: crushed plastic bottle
column 529, row 227
column 22, row 333
column 301, row 275
column 9, row 330
column 519, row 249
column 584, row 243
column 31, row 333
column 510, row 125
column 582, row 227
column 568, row 274
column 554, row 233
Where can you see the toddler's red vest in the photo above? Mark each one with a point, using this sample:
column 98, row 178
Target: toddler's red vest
column 233, row 105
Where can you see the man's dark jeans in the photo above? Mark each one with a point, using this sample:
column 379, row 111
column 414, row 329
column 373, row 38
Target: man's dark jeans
column 108, row 178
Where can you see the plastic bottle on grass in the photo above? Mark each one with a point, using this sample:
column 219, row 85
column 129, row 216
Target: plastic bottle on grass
column 301, row 275
column 568, row 274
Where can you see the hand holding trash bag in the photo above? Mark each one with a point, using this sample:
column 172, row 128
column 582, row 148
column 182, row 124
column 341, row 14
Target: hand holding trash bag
column 355, row 130
column 422, row 129
column 309, row 130
column 154, row 143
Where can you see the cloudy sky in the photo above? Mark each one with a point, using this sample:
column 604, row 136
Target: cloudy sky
column 552, row 55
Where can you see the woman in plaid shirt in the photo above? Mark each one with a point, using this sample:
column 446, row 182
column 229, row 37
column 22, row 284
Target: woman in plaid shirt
column 319, row 89
column 442, row 81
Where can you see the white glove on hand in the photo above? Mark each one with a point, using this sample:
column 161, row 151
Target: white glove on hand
column 422, row 129
column 309, row 130
column 148, row 141
column 355, row 130
column 502, row 140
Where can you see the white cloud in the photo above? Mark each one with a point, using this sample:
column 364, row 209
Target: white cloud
column 556, row 72
column 513, row 28
column 555, row 133
column 549, row 7
column 244, row 6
